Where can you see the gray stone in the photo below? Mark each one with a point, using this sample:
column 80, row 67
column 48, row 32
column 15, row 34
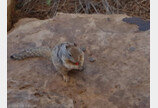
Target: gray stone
column 91, row 59
column 83, row 49
column 131, row 49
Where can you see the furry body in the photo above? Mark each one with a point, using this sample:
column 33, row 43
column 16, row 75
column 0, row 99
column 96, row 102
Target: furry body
column 65, row 57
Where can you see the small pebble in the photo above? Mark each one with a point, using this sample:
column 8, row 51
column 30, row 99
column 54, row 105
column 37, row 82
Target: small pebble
column 83, row 49
column 91, row 59
column 131, row 49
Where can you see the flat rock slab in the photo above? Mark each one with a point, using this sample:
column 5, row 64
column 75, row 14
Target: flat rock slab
column 119, row 76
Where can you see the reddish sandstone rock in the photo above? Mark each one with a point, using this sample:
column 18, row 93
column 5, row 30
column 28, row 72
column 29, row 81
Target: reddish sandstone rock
column 119, row 77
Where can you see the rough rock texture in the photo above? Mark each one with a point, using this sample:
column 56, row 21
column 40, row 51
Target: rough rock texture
column 118, row 78
column 10, row 10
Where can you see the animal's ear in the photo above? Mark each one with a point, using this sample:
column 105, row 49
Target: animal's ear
column 68, row 46
column 75, row 44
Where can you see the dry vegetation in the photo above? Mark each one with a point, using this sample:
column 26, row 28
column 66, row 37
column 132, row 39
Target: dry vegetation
column 48, row 8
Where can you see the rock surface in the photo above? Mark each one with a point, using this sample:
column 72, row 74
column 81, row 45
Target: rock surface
column 119, row 78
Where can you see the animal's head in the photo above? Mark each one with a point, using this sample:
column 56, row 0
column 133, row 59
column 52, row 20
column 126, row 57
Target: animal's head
column 73, row 56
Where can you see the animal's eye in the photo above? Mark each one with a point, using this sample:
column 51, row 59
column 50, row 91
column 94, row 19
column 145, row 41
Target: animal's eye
column 75, row 44
column 70, row 55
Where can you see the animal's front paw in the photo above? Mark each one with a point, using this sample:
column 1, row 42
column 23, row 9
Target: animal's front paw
column 81, row 68
column 66, row 78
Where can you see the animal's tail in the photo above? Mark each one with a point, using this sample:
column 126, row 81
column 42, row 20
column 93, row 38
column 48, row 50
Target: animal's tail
column 33, row 52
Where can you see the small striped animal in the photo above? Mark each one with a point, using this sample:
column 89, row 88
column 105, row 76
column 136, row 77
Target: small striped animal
column 65, row 57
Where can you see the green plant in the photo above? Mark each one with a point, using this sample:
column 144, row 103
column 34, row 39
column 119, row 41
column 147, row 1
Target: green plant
column 48, row 2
